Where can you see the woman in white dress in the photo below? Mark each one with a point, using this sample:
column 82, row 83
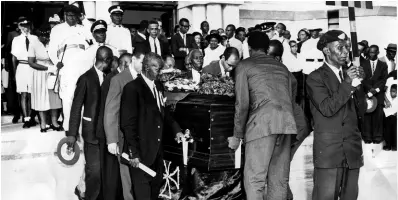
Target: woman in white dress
column 43, row 98
column 214, row 50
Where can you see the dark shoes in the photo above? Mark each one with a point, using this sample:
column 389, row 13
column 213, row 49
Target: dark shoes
column 387, row 148
column 26, row 125
column 77, row 193
column 56, row 128
column 15, row 119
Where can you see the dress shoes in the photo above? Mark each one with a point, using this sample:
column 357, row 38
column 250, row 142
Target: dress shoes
column 77, row 193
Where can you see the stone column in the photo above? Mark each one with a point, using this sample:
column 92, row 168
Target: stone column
column 230, row 15
column 101, row 8
column 89, row 8
column 198, row 16
column 214, row 16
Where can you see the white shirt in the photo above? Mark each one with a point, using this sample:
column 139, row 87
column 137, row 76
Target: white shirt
column 184, row 38
column 155, row 92
column 119, row 37
column 63, row 34
column 292, row 62
column 195, row 76
column 18, row 46
column 245, row 49
column 100, row 75
column 152, row 42
column 233, row 42
column 373, row 65
column 212, row 55
column 336, row 71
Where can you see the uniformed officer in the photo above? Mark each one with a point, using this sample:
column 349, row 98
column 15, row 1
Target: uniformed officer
column 268, row 28
column 99, row 33
column 68, row 40
column 118, row 35
column 24, row 73
column 312, row 58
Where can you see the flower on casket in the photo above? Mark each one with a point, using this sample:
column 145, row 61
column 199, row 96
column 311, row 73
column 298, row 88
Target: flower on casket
column 169, row 179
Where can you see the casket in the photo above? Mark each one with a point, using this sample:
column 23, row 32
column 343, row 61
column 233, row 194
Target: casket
column 210, row 119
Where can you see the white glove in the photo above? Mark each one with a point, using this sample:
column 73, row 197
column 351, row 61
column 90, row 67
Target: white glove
column 113, row 149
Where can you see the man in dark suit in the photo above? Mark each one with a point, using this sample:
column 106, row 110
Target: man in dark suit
column 114, row 136
column 374, row 82
column 334, row 104
column 143, row 120
column 153, row 44
column 181, row 43
column 110, row 173
column 88, row 94
column 229, row 60
column 139, row 41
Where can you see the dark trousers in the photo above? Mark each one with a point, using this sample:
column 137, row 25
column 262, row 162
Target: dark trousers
column 92, row 170
column 373, row 125
column 146, row 187
column 267, row 167
column 390, row 131
column 300, row 88
column 110, row 174
column 332, row 183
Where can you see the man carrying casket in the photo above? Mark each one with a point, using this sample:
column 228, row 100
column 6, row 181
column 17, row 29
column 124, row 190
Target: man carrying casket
column 143, row 119
column 264, row 118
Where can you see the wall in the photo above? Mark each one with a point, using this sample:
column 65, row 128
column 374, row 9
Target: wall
column 135, row 16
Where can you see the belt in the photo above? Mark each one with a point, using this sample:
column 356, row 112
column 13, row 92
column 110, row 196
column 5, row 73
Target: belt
column 23, row 62
column 70, row 46
column 313, row 60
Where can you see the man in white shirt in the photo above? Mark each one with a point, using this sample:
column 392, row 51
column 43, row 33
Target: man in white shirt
column 153, row 43
column 280, row 30
column 118, row 35
column 229, row 60
column 389, row 58
column 24, row 73
column 310, row 55
column 232, row 41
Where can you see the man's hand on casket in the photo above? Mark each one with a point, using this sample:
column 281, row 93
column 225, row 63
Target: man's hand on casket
column 113, row 149
column 134, row 162
column 179, row 137
column 233, row 142
column 71, row 140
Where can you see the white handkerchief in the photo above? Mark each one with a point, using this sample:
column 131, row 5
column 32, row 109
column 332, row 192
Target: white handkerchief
column 355, row 82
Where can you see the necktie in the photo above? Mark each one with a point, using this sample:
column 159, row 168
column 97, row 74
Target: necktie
column 184, row 40
column 341, row 76
column 228, row 45
column 27, row 43
column 373, row 67
column 156, row 48
column 156, row 96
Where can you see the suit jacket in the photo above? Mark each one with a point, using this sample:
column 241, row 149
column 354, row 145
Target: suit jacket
column 104, row 92
column 112, row 106
column 337, row 138
column 378, row 80
column 141, row 121
column 87, row 94
column 177, row 42
column 264, row 98
column 164, row 47
column 139, row 43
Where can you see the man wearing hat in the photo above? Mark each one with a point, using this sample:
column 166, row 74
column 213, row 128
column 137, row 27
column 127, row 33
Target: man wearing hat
column 118, row 35
column 268, row 28
column 23, row 72
column 389, row 58
column 68, row 41
column 336, row 104
column 264, row 119
column 99, row 33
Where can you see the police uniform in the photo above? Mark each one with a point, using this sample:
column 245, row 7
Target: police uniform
column 87, row 59
column 19, row 49
column 267, row 27
column 117, row 35
column 312, row 58
column 66, row 44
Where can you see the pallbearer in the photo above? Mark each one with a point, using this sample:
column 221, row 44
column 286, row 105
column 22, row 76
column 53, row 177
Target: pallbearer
column 118, row 35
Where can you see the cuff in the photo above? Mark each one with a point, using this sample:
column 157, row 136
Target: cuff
column 355, row 82
column 377, row 90
column 370, row 94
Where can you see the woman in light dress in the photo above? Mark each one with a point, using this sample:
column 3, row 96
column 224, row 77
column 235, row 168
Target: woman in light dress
column 214, row 50
column 43, row 96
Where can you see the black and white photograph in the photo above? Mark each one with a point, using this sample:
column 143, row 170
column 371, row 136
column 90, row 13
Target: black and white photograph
column 199, row 100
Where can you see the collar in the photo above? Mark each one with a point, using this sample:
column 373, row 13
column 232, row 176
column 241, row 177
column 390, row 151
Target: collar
column 132, row 71
column 99, row 72
column 150, row 83
column 142, row 35
column 374, row 61
column 182, row 35
column 114, row 25
column 335, row 70
column 25, row 35
column 118, row 69
column 156, row 38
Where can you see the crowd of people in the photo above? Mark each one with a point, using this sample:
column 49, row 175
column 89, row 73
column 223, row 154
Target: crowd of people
column 283, row 87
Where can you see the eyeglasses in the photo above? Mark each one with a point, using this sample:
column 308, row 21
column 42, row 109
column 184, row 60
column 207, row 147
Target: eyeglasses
column 187, row 26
